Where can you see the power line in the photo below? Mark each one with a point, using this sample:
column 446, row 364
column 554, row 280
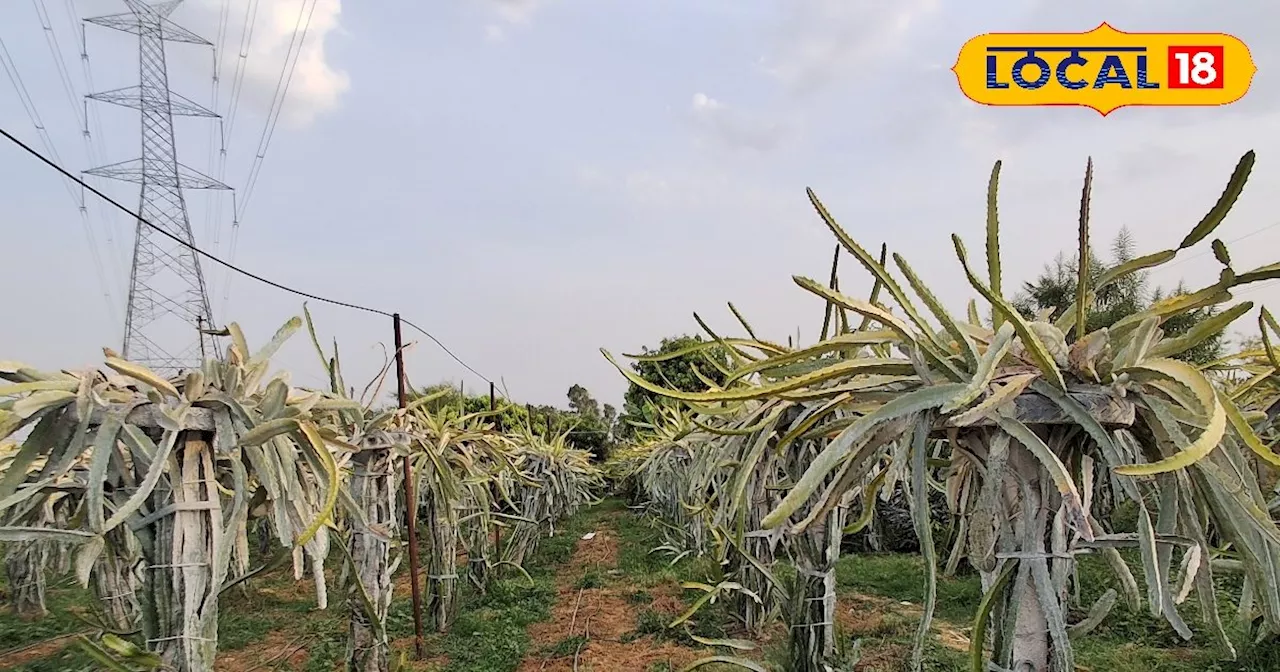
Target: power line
column 51, row 39
column 80, row 110
column 1262, row 285
column 77, row 198
column 268, row 132
column 227, row 123
column 233, row 267
column 237, row 80
column 277, row 105
column 212, row 223
column 435, row 340
column 97, row 139
column 215, row 129
column 273, row 114
column 11, row 69
column 1210, row 251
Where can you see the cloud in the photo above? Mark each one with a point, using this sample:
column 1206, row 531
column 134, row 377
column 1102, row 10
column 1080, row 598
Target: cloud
column 317, row 84
column 658, row 228
column 509, row 13
column 731, row 127
column 825, row 40
column 515, row 11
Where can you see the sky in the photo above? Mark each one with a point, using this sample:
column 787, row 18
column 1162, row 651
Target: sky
column 532, row 180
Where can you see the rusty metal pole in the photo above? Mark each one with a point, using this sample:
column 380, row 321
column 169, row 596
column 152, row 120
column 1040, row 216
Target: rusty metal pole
column 497, row 423
column 410, row 500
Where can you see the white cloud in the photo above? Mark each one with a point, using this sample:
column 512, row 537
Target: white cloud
column 731, row 127
column 826, row 39
column 515, row 11
column 509, row 14
column 317, row 84
column 702, row 101
column 657, row 228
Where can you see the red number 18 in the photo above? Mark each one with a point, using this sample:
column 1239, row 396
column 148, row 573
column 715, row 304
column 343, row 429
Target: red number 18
column 1195, row 67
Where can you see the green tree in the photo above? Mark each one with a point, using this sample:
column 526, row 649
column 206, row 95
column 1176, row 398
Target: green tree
column 581, row 402
column 589, row 425
column 1055, row 289
column 589, row 430
column 455, row 400
column 675, row 372
column 452, row 401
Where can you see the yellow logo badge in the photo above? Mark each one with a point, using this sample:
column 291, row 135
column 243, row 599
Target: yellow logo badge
column 1104, row 69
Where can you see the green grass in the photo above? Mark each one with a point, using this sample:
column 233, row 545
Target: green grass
column 637, row 537
column 1126, row 641
column 592, row 578
column 639, row 597
column 276, row 603
column 567, row 646
column 901, row 577
column 238, row 628
column 64, row 599
column 491, row 630
column 490, row 633
column 650, row 622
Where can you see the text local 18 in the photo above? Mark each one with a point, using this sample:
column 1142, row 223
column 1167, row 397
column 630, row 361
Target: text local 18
column 1112, row 70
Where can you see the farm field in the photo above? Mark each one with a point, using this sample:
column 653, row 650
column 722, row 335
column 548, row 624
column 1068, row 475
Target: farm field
column 606, row 602
column 1079, row 477
column 718, row 336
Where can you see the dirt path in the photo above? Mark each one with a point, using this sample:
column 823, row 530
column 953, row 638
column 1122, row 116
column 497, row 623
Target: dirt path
column 277, row 651
column 860, row 614
column 592, row 625
column 880, row 620
column 39, row 650
column 593, row 622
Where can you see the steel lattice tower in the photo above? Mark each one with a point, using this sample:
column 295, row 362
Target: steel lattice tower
column 168, row 302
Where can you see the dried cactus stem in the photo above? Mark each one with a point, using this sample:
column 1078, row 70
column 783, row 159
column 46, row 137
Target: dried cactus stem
column 115, row 585
column 813, row 618
column 182, row 583
column 479, row 546
column 24, row 566
column 755, row 615
column 813, row 632
column 373, row 489
column 442, row 562
column 1029, row 645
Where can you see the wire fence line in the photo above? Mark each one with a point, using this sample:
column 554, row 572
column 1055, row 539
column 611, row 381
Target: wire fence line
column 234, row 268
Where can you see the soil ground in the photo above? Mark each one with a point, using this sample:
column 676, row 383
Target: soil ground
column 596, row 599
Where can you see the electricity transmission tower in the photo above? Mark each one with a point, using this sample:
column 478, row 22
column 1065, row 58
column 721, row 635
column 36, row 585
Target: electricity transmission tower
column 168, row 302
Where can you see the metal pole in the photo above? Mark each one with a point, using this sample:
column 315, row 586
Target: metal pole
column 497, row 423
column 410, row 500
column 493, row 406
